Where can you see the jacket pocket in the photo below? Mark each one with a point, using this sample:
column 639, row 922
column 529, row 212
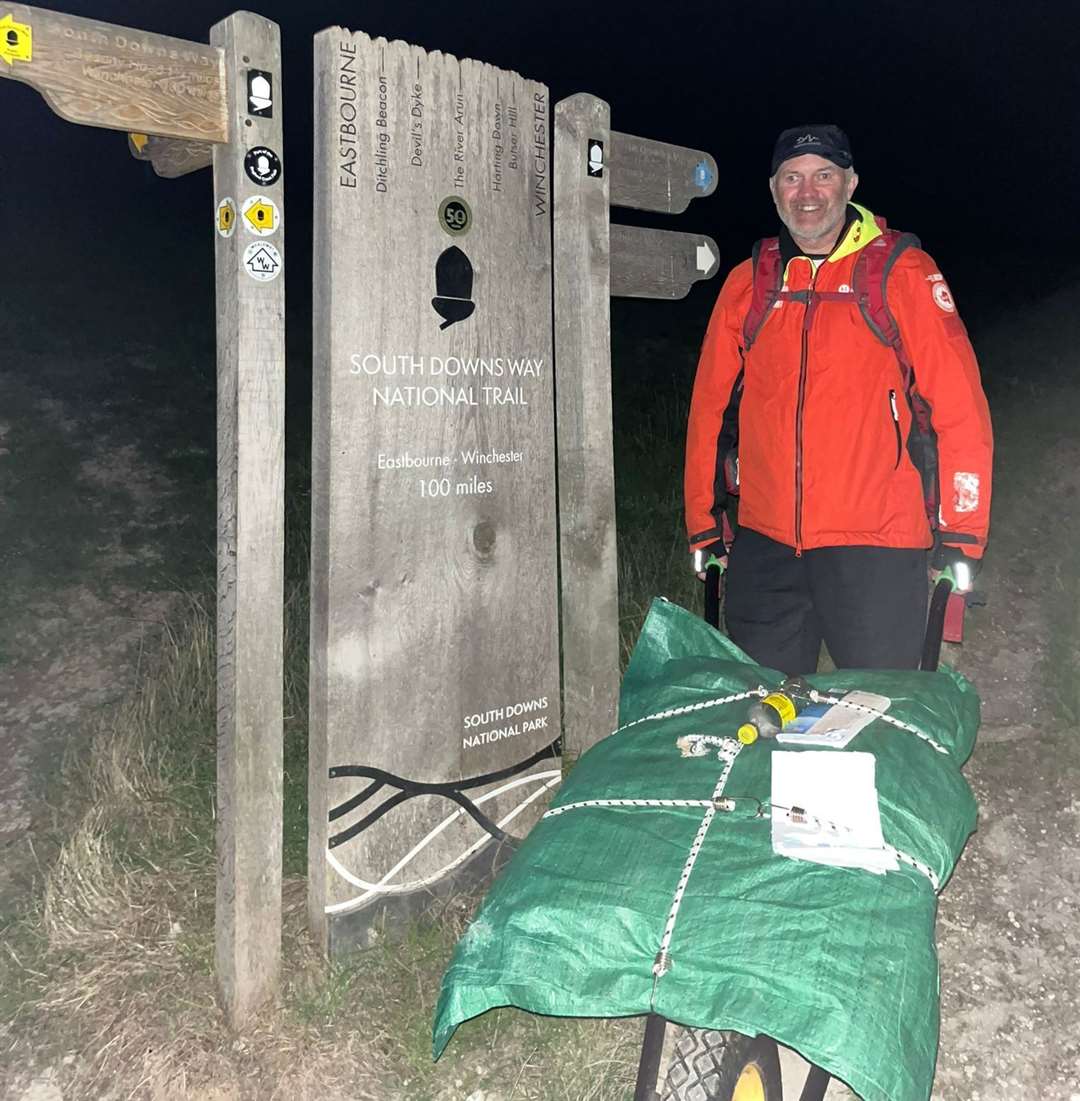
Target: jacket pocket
column 894, row 412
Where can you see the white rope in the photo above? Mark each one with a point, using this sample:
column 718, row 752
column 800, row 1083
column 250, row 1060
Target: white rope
column 687, row 709
column 556, row 811
column 662, row 963
column 821, row 697
column 553, row 778
column 918, row 865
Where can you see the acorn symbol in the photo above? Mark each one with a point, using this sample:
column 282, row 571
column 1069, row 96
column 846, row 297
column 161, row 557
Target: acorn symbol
column 453, row 286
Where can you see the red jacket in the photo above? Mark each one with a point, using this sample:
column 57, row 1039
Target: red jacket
column 823, row 417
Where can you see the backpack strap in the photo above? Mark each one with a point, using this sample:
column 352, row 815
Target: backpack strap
column 768, row 273
column 870, row 283
column 870, row 280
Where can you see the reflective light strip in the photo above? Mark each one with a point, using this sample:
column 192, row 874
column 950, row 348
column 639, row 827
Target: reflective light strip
column 553, row 777
column 962, row 575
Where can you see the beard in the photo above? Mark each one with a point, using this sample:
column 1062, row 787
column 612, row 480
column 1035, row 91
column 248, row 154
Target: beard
column 818, row 229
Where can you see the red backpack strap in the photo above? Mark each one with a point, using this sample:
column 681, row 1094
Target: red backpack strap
column 870, row 281
column 768, row 273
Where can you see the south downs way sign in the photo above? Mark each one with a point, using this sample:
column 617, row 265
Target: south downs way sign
column 435, row 684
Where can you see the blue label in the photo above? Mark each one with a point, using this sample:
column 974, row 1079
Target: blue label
column 806, row 718
column 703, row 176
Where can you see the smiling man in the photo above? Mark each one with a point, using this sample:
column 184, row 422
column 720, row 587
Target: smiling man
column 838, row 396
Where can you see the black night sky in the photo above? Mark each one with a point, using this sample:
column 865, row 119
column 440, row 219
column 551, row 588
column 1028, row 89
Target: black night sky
column 962, row 116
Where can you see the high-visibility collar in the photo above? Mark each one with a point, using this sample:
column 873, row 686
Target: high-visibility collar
column 859, row 230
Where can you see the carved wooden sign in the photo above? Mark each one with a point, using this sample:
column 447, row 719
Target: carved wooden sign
column 119, row 78
column 659, row 263
column 170, row 158
column 654, row 175
column 435, row 685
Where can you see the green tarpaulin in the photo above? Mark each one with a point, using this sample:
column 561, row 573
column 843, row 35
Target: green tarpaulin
column 838, row 963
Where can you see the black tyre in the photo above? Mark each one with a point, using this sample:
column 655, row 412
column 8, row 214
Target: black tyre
column 707, row 1065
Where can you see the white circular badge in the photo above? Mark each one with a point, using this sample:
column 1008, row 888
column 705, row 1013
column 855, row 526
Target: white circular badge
column 943, row 298
column 262, row 261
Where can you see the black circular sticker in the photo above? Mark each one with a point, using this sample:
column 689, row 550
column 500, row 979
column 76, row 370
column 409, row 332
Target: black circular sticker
column 455, row 216
column 262, row 165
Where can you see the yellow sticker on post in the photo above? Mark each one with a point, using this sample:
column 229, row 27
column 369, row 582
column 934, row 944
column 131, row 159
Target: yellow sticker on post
column 16, row 40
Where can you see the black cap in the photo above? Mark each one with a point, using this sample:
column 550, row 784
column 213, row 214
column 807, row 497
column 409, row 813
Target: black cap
column 823, row 139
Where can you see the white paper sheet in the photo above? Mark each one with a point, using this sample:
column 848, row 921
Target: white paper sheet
column 825, row 810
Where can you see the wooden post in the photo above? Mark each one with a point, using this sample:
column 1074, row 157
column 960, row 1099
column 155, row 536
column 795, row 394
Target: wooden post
column 250, row 378
column 595, row 167
column 588, row 565
column 434, row 623
column 182, row 103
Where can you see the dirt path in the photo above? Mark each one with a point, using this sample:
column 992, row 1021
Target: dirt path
column 1008, row 936
column 92, row 514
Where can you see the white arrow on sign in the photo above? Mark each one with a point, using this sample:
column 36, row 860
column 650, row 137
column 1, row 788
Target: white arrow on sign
column 705, row 257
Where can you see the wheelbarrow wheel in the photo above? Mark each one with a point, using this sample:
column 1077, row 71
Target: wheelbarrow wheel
column 707, row 1065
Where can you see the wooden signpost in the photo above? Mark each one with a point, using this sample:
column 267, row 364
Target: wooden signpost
column 171, row 158
column 658, row 263
column 434, row 644
column 181, row 100
column 596, row 168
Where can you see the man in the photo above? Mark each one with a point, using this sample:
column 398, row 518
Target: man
column 835, row 428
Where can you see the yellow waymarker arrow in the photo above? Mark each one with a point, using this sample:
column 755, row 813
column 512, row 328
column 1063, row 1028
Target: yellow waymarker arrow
column 225, row 217
column 139, row 141
column 260, row 215
column 16, row 40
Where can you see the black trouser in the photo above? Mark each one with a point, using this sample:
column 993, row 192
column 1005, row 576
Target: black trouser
column 867, row 603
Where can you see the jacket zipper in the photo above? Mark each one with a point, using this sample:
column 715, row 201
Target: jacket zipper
column 807, row 318
column 896, row 426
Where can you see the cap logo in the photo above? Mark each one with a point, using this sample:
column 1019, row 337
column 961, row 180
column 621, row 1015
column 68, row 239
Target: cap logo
column 804, row 138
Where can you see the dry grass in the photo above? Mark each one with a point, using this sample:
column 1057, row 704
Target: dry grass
column 112, row 964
